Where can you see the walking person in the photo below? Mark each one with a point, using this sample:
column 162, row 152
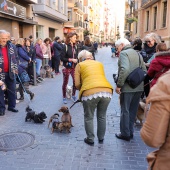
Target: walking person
column 156, row 129
column 93, row 94
column 8, row 68
column 88, row 46
column 129, row 97
column 69, row 58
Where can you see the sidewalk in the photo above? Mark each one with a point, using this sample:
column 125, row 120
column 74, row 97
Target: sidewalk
column 62, row 151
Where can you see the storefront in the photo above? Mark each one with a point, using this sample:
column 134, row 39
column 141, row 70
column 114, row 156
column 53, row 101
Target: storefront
column 14, row 20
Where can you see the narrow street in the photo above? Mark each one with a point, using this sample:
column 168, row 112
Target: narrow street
column 63, row 151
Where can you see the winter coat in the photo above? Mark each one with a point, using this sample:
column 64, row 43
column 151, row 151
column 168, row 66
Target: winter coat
column 22, row 54
column 12, row 61
column 89, row 48
column 148, row 52
column 57, row 48
column 39, row 53
column 159, row 65
column 156, row 129
column 128, row 61
column 69, row 52
column 31, row 52
column 89, row 76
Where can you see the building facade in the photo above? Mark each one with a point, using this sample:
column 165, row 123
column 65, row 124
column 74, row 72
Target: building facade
column 153, row 16
column 40, row 18
column 16, row 17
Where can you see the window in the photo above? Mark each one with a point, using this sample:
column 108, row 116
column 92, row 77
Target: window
column 155, row 18
column 69, row 14
column 164, row 14
column 39, row 31
column 147, row 20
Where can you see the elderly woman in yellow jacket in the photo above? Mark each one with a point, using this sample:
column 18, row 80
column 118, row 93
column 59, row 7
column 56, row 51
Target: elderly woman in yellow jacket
column 95, row 93
column 156, row 130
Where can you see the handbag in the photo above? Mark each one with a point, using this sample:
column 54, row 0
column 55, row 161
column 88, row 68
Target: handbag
column 135, row 78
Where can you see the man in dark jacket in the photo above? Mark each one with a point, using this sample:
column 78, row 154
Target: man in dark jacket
column 129, row 97
column 8, row 67
column 57, row 48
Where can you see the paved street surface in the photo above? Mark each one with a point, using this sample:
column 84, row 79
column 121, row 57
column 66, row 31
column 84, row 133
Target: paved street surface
column 63, row 151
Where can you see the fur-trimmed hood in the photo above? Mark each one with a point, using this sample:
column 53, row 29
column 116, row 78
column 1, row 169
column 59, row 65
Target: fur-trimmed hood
column 163, row 53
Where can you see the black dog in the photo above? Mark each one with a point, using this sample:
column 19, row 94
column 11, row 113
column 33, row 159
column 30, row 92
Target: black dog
column 37, row 118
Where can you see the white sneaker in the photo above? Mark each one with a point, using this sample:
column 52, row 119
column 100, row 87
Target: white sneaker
column 17, row 101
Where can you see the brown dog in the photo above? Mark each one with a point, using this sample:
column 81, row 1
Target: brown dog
column 65, row 119
column 141, row 112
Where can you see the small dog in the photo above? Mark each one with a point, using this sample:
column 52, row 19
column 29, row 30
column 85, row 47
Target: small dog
column 66, row 122
column 54, row 119
column 48, row 71
column 69, row 90
column 43, row 73
column 140, row 113
column 37, row 118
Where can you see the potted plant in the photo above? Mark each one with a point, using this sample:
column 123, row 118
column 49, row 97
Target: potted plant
column 131, row 19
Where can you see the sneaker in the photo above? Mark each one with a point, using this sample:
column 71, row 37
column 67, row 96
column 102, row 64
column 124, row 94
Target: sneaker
column 21, row 98
column 74, row 98
column 64, row 100
column 17, row 101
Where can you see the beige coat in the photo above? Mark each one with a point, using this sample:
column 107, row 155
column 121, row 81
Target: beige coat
column 156, row 130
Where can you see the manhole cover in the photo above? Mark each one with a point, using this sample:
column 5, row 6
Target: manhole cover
column 15, row 140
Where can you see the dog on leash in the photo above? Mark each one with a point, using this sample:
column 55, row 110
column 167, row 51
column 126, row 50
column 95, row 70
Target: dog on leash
column 48, row 71
column 69, row 90
column 33, row 116
column 140, row 115
column 66, row 122
column 54, row 119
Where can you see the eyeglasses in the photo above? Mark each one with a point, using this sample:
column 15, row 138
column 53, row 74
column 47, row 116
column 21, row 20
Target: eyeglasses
column 148, row 41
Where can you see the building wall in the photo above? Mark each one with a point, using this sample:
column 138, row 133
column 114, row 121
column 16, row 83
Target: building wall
column 163, row 32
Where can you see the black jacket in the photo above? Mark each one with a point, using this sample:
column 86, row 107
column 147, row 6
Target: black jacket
column 89, row 48
column 69, row 52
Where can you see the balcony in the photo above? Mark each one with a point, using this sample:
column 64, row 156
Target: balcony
column 79, row 24
column 49, row 12
column 31, row 1
column 147, row 3
column 79, row 7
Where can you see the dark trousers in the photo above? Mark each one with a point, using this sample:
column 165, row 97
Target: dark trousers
column 66, row 73
column 56, row 64
column 24, row 87
column 11, row 95
column 129, row 105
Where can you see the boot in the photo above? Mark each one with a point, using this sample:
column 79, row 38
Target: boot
column 31, row 96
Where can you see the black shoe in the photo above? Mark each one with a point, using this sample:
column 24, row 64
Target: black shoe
column 120, row 136
column 2, row 113
column 21, row 98
column 12, row 109
column 101, row 141
column 88, row 142
column 31, row 96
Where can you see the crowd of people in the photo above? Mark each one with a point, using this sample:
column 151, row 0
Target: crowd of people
column 78, row 59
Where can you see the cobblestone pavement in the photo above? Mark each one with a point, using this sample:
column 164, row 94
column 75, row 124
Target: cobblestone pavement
column 63, row 151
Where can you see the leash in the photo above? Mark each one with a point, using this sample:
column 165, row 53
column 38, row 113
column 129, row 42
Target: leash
column 75, row 103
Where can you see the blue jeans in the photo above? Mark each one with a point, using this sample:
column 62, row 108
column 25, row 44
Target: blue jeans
column 38, row 65
column 101, row 104
column 129, row 105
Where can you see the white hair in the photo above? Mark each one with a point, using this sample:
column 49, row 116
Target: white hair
column 122, row 41
column 84, row 54
column 3, row 32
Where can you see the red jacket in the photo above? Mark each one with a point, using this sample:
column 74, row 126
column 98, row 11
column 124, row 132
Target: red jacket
column 159, row 65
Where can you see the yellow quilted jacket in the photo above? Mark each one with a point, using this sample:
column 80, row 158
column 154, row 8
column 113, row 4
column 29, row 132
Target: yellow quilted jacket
column 90, row 78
